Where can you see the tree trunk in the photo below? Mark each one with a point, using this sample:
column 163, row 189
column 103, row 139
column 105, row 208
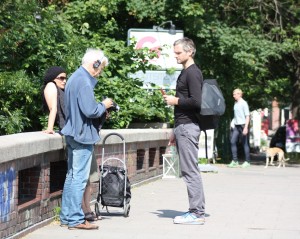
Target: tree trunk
column 296, row 89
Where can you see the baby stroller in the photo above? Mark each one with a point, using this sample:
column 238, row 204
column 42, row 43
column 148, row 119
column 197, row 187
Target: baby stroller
column 114, row 186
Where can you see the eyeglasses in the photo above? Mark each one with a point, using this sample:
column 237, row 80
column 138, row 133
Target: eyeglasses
column 62, row 78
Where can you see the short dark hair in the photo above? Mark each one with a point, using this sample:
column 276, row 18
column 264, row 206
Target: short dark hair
column 187, row 45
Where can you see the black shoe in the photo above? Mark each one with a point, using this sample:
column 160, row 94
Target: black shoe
column 90, row 216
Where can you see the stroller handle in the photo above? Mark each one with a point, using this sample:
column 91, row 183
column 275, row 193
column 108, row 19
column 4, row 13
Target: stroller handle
column 110, row 134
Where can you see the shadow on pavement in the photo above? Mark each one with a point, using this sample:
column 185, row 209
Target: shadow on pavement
column 167, row 213
column 170, row 213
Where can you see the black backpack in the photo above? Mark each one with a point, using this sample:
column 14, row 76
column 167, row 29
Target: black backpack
column 212, row 107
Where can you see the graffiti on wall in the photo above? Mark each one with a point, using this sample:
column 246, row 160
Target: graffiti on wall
column 6, row 193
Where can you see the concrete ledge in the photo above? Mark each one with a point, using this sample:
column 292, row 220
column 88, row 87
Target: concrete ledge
column 26, row 144
column 136, row 135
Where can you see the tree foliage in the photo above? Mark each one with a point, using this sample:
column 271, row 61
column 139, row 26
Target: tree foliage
column 253, row 45
column 17, row 101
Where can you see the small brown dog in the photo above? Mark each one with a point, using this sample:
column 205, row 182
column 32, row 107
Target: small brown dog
column 271, row 153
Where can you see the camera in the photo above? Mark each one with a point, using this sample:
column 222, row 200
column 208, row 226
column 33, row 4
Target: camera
column 115, row 107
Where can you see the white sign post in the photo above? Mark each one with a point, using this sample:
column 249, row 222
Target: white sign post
column 255, row 136
column 210, row 144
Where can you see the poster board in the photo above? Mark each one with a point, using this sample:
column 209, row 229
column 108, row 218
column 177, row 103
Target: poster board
column 292, row 143
column 161, row 41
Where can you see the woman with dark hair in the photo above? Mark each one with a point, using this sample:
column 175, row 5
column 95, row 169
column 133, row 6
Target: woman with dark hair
column 53, row 97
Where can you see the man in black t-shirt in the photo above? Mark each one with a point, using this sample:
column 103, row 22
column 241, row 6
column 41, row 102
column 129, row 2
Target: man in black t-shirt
column 187, row 103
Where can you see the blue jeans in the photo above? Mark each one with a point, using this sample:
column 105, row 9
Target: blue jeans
column 236, row 134
column 79, row 165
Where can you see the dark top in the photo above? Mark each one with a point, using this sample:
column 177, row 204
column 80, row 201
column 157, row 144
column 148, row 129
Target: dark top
column 60, row 115
column 189, row 90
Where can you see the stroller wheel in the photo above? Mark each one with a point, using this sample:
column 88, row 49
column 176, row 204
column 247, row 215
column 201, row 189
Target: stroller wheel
column 97, row 211
column 126, row 210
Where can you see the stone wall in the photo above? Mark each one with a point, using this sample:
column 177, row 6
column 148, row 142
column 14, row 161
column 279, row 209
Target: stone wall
column 33, row 168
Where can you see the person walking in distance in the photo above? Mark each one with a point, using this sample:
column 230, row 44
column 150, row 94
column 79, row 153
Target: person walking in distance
column 240, row 129
column 187, row 102
column 81, row 132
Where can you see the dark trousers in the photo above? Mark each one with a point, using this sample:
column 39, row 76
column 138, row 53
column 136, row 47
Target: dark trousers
column 236, row 136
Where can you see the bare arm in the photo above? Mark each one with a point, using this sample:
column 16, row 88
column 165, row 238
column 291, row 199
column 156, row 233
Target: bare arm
column 50, row 93
column 245, row 130
column 172, row 140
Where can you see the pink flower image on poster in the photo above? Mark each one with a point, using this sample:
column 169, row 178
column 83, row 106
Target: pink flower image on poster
column 292, row 136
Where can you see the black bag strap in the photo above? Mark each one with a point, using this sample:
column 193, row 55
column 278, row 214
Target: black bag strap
column 206, row 154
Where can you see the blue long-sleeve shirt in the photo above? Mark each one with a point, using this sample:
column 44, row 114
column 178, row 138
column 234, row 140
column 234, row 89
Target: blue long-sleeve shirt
column 81, row 109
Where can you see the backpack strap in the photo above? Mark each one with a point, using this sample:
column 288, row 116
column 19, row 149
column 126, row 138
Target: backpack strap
column 205, row 143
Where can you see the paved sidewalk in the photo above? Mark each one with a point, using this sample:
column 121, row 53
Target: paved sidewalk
column 252, row 203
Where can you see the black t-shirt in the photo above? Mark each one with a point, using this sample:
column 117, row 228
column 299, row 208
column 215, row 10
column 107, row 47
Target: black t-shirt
column 60, row 115
column 188, row 90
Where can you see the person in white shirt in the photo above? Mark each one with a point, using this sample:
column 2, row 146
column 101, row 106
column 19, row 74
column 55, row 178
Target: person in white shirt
column 240, row 129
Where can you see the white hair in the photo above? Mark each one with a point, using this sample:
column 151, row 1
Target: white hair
column 91, row 55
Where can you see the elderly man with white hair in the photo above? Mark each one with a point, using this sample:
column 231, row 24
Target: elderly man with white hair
column 81, row 132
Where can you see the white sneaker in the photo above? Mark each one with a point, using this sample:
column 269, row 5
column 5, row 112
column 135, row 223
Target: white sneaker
column 189, row 218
